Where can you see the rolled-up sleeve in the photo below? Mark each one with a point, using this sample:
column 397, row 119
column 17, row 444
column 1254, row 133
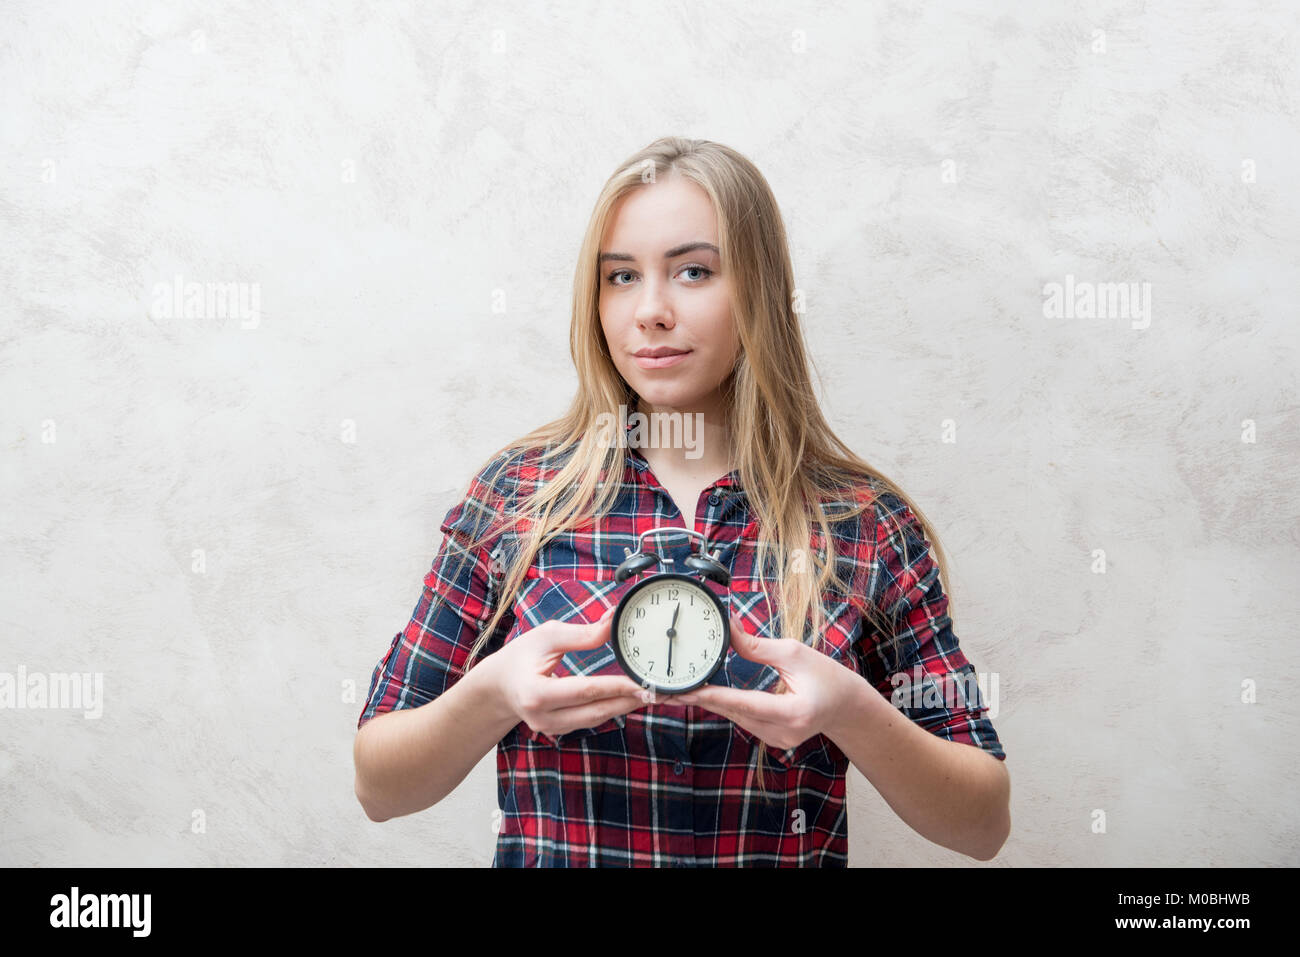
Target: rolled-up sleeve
column 918, row 663
column 459, row 597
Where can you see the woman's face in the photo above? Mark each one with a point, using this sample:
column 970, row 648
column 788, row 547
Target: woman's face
column 662, row 289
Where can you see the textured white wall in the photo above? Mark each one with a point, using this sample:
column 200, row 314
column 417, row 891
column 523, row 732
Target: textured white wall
column 376, row 172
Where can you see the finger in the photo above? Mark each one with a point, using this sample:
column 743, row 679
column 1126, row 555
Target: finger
column 620, row 704
column 739, row 706
column 570, row 635
column 765, row 731
column 577, row 690
column 591, row 715
column 750, row 709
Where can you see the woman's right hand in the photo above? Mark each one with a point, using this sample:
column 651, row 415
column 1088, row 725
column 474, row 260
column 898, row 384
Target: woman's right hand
column 554, row 706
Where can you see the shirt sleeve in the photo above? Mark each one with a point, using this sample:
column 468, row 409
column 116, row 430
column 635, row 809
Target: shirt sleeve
column 920, row 667
column 459, row 596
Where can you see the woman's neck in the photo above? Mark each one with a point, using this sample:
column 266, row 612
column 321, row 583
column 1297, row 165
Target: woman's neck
column 693, row 445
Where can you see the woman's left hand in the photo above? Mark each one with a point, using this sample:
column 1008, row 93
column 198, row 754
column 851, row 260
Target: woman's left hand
column 814, row 689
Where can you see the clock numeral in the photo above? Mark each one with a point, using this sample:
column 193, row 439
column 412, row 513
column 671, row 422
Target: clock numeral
column 631, row 631
column 636, row 651
column 640, row 613
column 654, row 599
column 672, row 594
column 692, row 669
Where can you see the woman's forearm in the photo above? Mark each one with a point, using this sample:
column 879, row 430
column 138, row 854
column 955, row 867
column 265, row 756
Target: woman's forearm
column 410, row 759
column 949, row 792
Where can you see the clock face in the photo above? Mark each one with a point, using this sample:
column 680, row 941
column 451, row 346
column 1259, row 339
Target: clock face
column 670, row 633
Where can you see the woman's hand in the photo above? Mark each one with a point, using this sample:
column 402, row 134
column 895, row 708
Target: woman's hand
column 551, row 705
column 813, row 690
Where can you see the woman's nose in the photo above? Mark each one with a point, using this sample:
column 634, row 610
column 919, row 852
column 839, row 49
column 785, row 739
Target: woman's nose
column 654, row 313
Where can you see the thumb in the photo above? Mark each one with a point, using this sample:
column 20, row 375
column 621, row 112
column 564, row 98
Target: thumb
column 749, row 646
column 586, row 635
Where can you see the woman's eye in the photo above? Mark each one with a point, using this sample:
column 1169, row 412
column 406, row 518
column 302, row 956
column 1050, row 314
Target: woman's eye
column 613, row 277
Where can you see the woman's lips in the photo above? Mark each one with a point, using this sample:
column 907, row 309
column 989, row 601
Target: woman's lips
column 660, row 362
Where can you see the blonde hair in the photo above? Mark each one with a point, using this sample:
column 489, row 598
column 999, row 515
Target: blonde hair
column 792, row 467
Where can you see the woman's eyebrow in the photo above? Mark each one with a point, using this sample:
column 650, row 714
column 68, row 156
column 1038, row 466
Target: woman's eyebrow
column 675, row 251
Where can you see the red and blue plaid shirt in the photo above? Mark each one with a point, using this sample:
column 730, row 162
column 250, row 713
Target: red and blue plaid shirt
column 667, row 784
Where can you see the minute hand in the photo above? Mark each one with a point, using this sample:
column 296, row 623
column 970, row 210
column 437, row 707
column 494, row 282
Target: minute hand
column 672, row 633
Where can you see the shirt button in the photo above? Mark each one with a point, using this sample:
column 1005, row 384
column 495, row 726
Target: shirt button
column 714, row 499
column 677, row 768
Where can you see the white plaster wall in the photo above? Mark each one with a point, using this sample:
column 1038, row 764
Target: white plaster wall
column 379, row 171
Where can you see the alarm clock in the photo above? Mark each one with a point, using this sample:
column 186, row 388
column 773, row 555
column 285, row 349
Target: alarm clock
column 670, row 632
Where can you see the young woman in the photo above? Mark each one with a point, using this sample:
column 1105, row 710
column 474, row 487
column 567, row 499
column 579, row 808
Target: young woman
column 683, row 307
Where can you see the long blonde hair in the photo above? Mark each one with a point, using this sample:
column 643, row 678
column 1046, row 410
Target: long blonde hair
column 792, row 467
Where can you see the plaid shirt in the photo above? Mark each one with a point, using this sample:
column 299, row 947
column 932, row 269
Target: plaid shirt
column 673, row 785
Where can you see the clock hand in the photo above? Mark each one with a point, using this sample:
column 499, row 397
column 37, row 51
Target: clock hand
column 672, row 633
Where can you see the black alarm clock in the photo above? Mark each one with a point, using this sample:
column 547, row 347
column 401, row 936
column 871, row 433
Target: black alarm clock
column 670, row 632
